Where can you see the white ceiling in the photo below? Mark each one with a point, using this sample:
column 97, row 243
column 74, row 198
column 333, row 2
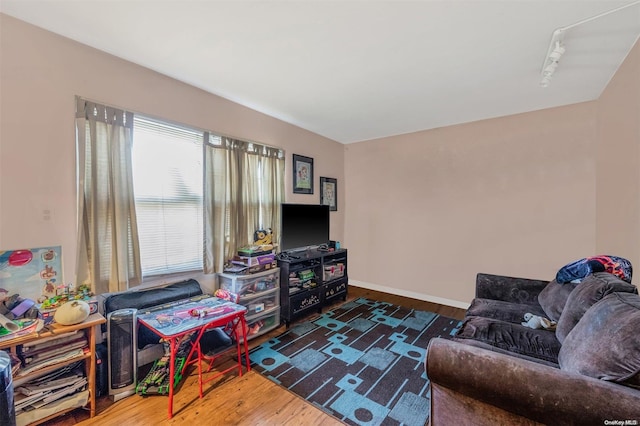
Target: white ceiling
column 359, row 70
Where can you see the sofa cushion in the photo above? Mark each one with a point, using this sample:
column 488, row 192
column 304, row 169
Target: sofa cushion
column 479, row 344
column 553, row 298
column 501, row 310
column 516, row 338
column 604, row 344
column 509, row 289
column 589, row 291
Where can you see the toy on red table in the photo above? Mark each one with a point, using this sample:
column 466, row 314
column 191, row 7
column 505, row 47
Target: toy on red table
column 201, row 313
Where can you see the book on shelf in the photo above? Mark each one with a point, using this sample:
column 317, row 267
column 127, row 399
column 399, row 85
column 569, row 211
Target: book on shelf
column 51, row 361
column 25, row 399
column 72, row 388
column 51, row 341
column 33, row 388
column 49, row 388
column 55, row 350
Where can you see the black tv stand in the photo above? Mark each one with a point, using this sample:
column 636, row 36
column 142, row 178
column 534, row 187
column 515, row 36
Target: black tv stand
column 311, row 279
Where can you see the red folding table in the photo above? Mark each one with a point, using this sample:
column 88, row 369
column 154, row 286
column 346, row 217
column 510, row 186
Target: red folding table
column 174, row 321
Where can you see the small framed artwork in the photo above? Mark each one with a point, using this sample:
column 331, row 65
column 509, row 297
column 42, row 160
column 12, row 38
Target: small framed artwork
column 329, row 192
column 302, row 174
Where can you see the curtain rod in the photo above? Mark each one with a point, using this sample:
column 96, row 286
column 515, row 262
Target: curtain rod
column 175, row 123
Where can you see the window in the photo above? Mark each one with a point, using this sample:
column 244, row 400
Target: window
column 142, row 188
column 167, row 181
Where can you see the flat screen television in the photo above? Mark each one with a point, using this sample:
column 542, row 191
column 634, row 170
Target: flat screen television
column 303, row 226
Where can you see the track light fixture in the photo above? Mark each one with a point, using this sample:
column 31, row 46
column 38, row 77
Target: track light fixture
column 556, row 47
column 551, row 63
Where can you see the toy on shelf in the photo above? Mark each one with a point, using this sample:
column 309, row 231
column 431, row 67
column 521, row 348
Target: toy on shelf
column 262, row 245
column 263, row 237
column 66, row 293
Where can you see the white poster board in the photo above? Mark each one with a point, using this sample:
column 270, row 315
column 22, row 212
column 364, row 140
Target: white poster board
column 32, row 273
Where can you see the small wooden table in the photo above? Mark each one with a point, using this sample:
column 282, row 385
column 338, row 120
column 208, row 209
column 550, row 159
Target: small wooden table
column 174, row 321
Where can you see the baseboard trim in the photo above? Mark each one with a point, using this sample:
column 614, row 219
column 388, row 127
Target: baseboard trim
column 411, row 294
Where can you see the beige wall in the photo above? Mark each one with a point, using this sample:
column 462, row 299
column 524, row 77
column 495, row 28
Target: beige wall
column 618, row 163
column 519, row 195
column 420, row 213
column 40, row 75
column 513, row 195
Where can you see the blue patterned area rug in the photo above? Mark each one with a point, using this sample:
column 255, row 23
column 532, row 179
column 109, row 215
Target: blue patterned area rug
column 362, row 362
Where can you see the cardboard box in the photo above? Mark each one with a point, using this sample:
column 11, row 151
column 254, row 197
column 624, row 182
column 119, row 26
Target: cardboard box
column 254, row 260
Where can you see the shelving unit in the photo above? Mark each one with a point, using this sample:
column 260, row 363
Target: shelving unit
column 311, row 281
column 89, row 356
column 260, row 293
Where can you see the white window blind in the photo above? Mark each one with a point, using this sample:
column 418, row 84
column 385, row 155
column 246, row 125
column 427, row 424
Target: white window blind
column 167, row 181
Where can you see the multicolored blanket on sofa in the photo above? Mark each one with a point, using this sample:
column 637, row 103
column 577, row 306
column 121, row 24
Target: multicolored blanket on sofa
column 576, row 271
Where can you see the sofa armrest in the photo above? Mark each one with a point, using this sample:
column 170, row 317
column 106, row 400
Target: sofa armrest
column 508, row 289
column 522, row 388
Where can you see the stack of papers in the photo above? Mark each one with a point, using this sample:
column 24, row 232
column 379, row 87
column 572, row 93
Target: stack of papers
column 51, row 350
column 38, row 393
column 53, row 360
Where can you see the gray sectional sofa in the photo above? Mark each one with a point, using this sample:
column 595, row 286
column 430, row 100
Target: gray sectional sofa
column 498, row 371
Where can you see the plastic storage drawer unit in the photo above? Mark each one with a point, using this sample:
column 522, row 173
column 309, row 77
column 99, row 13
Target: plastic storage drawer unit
column 261, row 302
column 263, row 322
column 245, row 285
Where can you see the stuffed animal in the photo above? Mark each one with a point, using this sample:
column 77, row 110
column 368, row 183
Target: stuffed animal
column 263, row 237
column 536, row 321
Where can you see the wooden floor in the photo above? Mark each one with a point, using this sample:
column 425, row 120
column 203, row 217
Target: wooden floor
column 247, row 400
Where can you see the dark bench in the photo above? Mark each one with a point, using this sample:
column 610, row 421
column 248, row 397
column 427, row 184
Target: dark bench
column 148, row 348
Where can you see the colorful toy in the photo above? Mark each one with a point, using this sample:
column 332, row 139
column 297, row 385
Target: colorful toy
column 226, row 295
column 156, row 382
column 263, row 237
column 64, row 294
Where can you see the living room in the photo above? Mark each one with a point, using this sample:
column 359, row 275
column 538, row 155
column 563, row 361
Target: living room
column 421, row 213
column 542, row 182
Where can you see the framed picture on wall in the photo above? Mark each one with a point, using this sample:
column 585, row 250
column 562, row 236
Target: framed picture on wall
column 302, row 174
column 329, row 192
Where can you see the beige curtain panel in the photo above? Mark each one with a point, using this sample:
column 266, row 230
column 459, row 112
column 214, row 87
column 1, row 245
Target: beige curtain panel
column 244, row 188
column 108, row 249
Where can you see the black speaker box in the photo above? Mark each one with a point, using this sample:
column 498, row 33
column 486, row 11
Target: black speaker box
column 102, row 369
